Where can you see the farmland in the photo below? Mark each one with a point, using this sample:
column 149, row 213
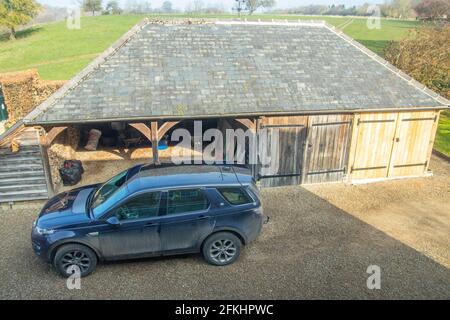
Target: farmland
column 59, row 53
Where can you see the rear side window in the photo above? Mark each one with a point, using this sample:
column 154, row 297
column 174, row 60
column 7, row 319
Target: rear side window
column 235, row 195
column 186, row 200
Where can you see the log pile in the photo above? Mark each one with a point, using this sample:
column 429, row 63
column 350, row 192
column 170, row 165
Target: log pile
column 23, row 91
column 63, row 148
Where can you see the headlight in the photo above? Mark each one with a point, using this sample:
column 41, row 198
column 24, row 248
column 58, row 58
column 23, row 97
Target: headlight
column 44, row 232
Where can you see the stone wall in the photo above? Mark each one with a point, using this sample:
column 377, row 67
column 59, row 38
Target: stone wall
column 23, row 91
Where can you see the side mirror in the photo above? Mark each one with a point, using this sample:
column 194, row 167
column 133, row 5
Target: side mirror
column 113, row 221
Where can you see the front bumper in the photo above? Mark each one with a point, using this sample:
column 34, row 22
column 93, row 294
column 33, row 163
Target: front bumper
column 40, row 245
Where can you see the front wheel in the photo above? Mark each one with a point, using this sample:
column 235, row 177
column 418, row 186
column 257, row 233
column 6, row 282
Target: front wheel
column 222, row 248
column 73, row 258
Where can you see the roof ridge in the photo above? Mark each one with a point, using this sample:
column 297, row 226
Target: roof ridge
column 75, row 81
column 411, row 81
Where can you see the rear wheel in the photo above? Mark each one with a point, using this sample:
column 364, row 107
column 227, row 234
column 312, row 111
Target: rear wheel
column 222, row 248
column 72, row 258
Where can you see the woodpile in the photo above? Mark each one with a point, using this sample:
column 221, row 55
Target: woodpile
column 23, row 91
column 63, row 148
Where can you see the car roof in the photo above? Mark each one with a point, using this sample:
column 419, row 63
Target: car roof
column 172, row 176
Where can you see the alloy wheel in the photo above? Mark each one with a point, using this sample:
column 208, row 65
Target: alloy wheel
column 222, row 251
column 77, row 258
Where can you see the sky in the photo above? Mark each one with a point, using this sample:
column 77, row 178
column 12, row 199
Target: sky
column 181, row 4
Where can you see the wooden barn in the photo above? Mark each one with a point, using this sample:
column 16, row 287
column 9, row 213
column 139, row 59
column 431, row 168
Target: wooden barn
column 342, row 112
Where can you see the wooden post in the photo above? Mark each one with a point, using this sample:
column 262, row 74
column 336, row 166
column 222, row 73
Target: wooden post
column 432, row 138
column 155, row 141
column 45, row 161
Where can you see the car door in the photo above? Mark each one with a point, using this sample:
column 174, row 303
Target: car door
column 138, row 232
column 187, row 220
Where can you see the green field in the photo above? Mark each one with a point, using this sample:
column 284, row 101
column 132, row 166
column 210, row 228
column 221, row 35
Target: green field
column 59, row 53
column 442, row 142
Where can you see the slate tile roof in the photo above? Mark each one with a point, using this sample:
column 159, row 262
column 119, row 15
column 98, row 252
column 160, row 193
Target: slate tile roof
column 219, row 69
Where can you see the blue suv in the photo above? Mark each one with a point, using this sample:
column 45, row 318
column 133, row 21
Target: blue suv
column 149, row 211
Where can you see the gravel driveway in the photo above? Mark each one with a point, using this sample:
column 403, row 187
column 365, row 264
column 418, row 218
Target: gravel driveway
column 319, row 244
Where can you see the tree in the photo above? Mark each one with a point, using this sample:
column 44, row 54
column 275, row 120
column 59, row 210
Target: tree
column 166, row 6
column 253, row 5
column 433, row 9
column 112, row 7
column 92, row 5
column 424, row 56
column 14, row 13
column 401, row 9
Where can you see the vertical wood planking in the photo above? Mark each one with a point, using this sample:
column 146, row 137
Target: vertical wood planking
column 411, row 147
column 328, row 147
column 373, row 145
column 286, row 164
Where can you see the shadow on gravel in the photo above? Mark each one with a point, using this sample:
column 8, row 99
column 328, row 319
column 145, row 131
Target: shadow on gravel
column 309, row 250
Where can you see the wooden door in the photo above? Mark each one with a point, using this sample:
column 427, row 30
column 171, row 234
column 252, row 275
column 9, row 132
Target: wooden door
column 372, row 144
column 413, row 141
column 281, row 145
column 327, row 148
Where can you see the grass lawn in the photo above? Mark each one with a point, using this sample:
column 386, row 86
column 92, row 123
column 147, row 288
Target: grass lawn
column 442, row 142
column 59, row 53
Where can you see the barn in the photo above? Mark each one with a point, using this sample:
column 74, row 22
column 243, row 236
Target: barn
column 342, row 113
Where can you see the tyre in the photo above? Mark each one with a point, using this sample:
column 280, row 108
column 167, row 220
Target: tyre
column 221, row 249
column 74, row 255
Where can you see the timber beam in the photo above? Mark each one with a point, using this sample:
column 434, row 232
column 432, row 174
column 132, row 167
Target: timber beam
column 250, row 124
column 50, row 136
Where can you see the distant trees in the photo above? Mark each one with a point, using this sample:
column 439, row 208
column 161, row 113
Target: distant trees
column 92, row 6
column 399, row 9
column 112, row 7
column 253, row 5
column 166, row 7
column 138, row 7
column 424, row 56
column 433, row 9
column 14, row 13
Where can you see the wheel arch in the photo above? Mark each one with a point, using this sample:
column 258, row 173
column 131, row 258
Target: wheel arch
column 56, row 246
column 234, row 231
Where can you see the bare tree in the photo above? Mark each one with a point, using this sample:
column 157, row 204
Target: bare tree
column 433, row 9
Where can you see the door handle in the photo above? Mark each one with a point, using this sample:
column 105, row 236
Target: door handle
column 202, row 217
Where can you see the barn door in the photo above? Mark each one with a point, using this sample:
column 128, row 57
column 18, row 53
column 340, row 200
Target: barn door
column 412, row 143
column 327, row 148
column 372, row 145
column 281, row 144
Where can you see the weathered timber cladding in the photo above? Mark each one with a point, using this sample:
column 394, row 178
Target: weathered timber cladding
column 285, row 155
column 327, row 143
column 392, row 144
column 22, row 173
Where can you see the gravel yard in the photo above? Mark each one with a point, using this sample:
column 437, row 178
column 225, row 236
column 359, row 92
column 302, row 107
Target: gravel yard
column 319, row 244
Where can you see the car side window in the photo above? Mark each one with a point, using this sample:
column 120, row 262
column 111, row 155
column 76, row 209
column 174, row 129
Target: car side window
column 186, row 200
column 145, row 205
column 235, row 195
